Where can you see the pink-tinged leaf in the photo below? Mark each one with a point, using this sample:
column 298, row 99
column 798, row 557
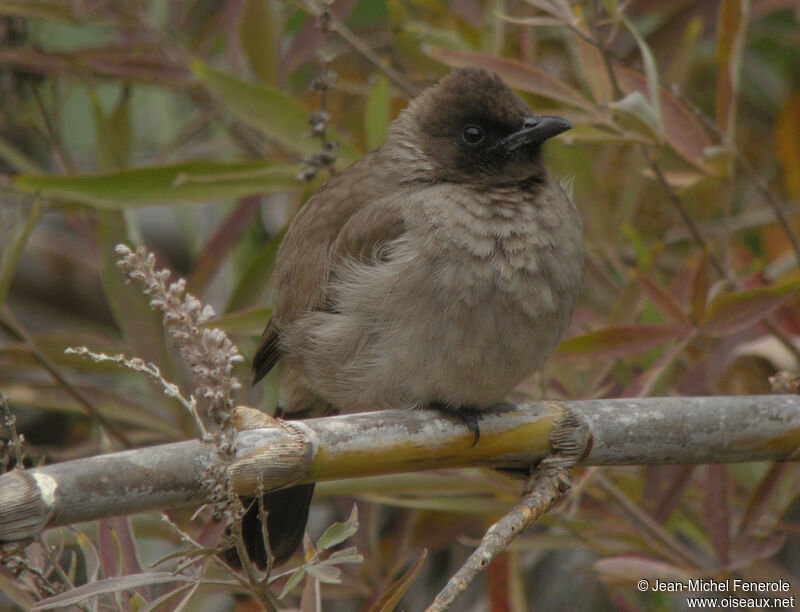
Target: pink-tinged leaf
column 760, row 499
column 664, row 487
column 681, row 129
column 517, row 74
column 731, row 28
column 733, row 313
column 630, row 569
column 716, row 509
column 391, row 597
column 615, row 342
column 644, row 384
column 108, row 548
column 225, row 238
column 594, row 70
column 663, row 301
column 129, row 554
column 108, row 585
column 699, row 287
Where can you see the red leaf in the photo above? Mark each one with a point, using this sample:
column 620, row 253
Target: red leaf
column 663, row 301
column 732, row 313
column 516, row 74
column 643, row 385
column 716, row 508
column 614, row 342
column 701, row 281
column 498, row 577
column 681, row 129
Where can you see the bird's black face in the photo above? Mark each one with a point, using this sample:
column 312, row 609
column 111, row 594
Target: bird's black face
column 473, row 128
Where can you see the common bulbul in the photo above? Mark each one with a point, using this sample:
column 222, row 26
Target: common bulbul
column 437, row 271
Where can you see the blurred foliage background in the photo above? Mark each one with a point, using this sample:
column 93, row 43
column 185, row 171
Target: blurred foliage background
column 187, row 126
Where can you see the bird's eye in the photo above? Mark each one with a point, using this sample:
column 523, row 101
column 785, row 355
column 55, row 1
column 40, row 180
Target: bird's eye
column 472, row 135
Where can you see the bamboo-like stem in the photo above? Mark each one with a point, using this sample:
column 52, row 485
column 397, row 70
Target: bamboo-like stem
column 633, row 431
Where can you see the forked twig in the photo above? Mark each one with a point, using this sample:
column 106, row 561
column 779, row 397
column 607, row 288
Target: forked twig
column 548, row 483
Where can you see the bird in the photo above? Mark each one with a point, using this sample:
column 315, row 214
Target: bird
column 436, row 272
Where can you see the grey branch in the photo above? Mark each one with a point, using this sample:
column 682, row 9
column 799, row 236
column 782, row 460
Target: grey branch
column 605, row 432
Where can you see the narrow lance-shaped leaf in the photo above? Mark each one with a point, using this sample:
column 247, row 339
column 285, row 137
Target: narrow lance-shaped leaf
column 140, row 325
column 11, row 251
column 650, row 71
column 391, row 597
column 252, row 288
column 681, row 130
column 178, row 184
column 731, row 29
column 594, row 69
column 638, row 107
column 325, row 573
column 260, row 35
column 649, row 382
column 293, row 581
column 376, row 113
column 733, row 313
column 698, row 291
column 666, row 304
column 268, row 110
column 616, row 342
column 40, row 9
column 716, row 509
column 108, row 585
column 339, row 532
column 516, row 74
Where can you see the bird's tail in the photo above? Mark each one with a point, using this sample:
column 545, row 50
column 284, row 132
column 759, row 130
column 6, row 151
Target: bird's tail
column 287, row 514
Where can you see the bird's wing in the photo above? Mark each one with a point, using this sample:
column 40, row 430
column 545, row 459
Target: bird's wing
column 348, row 217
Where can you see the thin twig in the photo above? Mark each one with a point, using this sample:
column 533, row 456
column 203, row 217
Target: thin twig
column 758, row 181
column 648, row 526
column 342, row 30
column 15, row 439
column 65, row 164
column 547, row 486
column 678, row 205
column 548, row 483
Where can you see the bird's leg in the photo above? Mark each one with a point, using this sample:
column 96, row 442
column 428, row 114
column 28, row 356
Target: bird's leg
column 469, row 415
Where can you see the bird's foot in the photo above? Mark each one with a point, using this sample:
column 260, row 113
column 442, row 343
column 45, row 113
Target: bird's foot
column 468, row 415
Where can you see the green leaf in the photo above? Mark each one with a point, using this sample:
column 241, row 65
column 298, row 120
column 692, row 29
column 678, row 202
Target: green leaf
column 615, row 342
column 293, row 581
column 268, row 110
column 325, row 573
column 391, row 597
column 249, row 321
column 140, row 325
column 348, row 555
column 113, row 133
column 260, row 36
column 650, row 71
column 729, row 314
column 179, row 184
column 681, row 129
column 376, row 113
column 339, row 532
column 11, row 251
column 663, row 301
column 39, row 9
column 16, row 159
column 252, row 288
column 637, row 106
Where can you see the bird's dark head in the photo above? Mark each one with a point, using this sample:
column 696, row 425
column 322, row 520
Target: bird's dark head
column 472, row 127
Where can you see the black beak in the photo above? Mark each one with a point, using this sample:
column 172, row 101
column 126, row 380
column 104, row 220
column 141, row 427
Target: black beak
column 535, row 130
